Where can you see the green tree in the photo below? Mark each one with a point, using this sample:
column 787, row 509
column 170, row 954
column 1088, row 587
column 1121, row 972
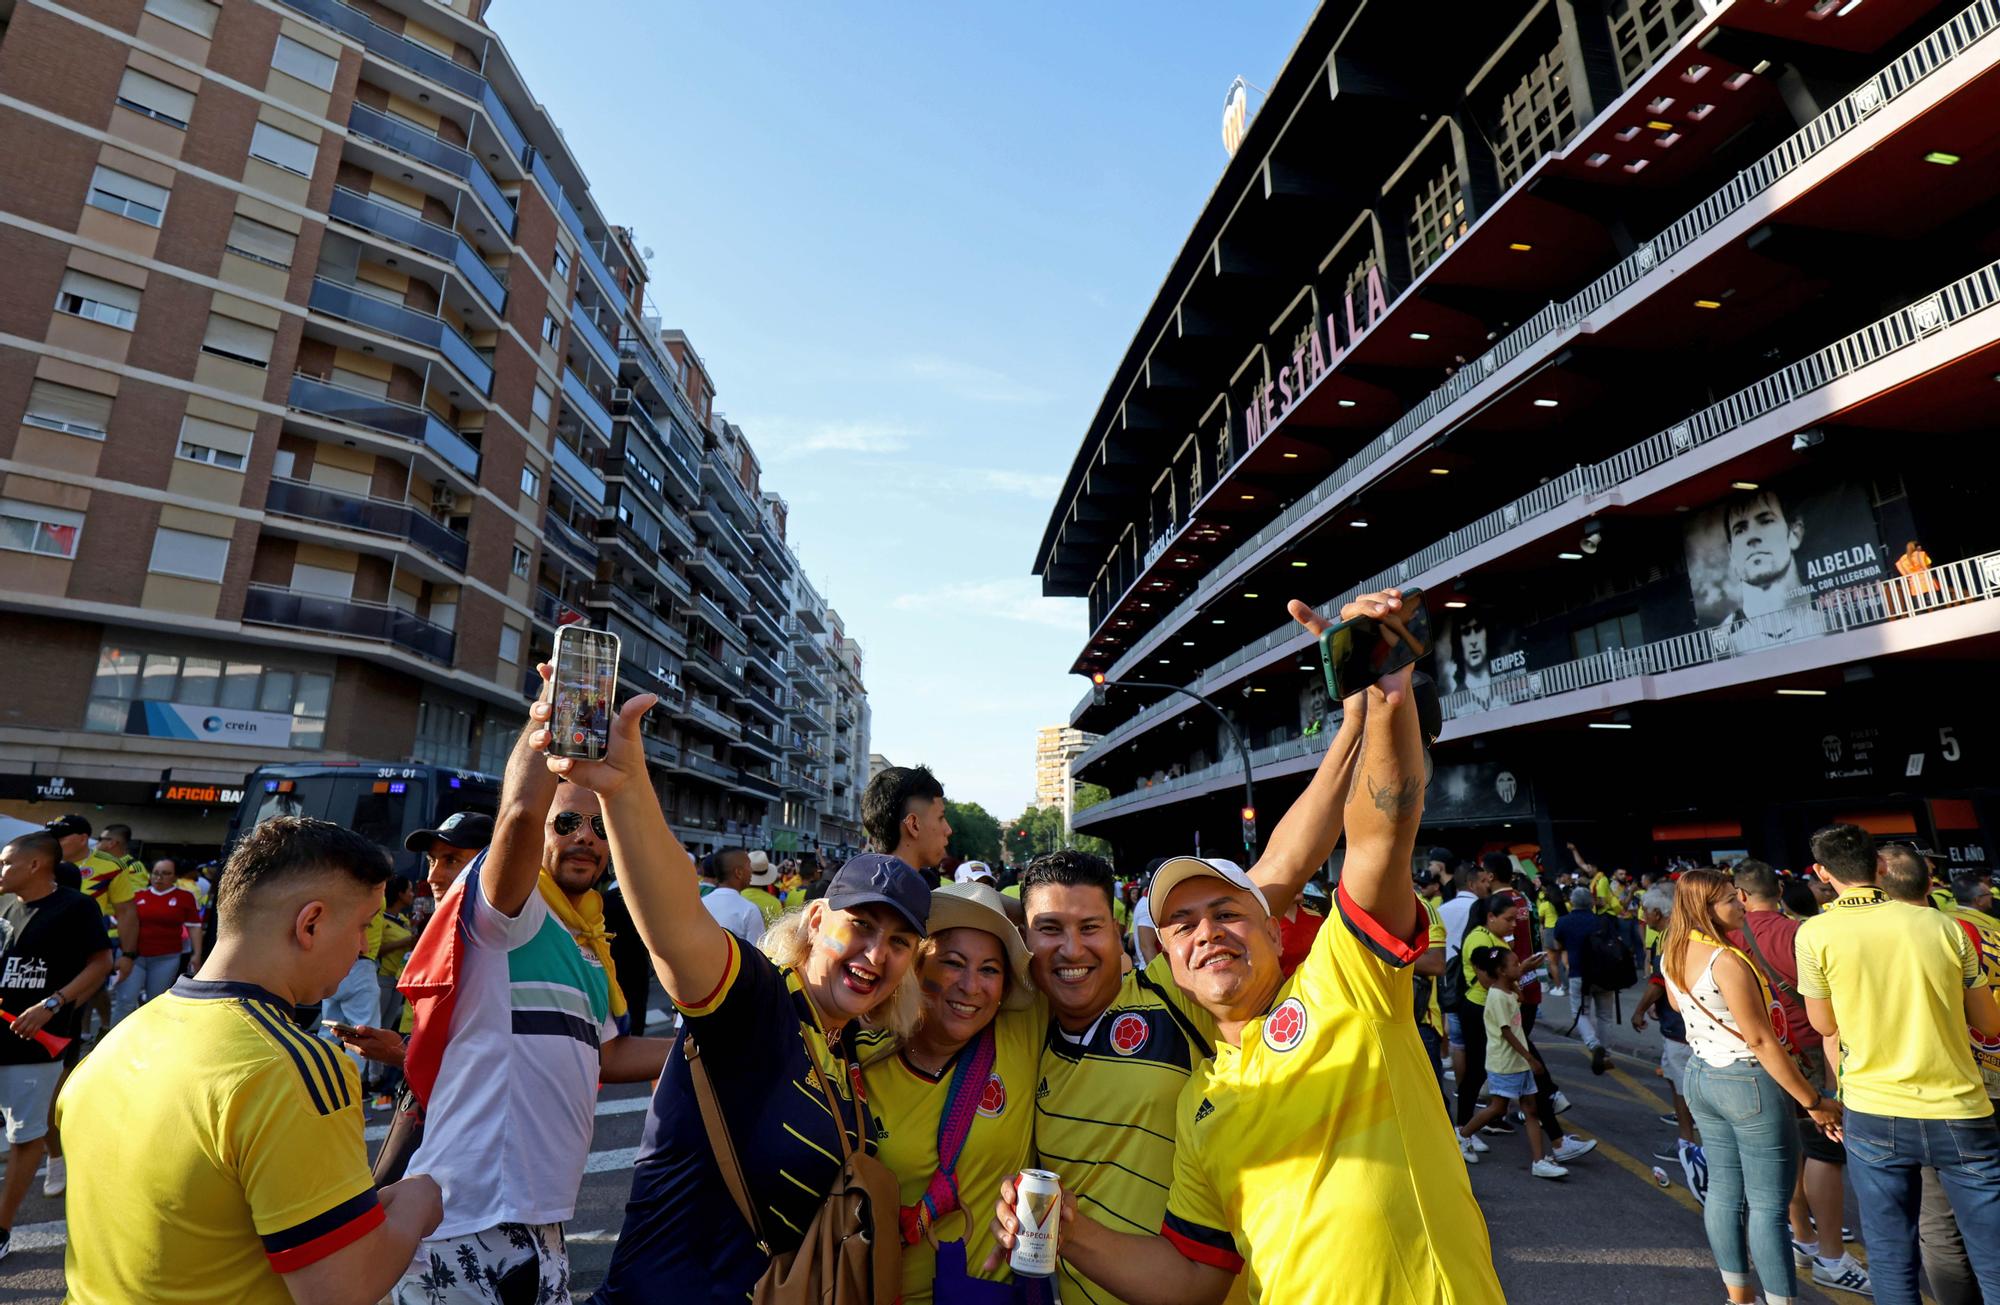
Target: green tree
column 1039, row 830
column 975, row 834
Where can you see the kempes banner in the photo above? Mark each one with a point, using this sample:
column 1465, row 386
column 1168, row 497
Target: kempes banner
column 1759, row 559
column 1473, row 651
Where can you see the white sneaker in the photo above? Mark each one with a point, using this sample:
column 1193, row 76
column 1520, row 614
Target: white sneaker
column 1558, row 1102
column 1479, row 1144
column 1573, row 1146
column 57, row 1178
column 1546, row 1168
column 1465, row 1150
column 1845, row 1274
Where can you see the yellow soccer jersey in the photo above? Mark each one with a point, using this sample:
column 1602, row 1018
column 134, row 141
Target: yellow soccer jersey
column 1431, row 1014
column 1105, row 1106
column 109, row 880
column 212, row 1145
column 1323, row 1134
column 909, row 1106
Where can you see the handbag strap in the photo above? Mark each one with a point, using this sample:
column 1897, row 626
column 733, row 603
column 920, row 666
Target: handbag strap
column 968, row 1089
column 728, row 1161
column 1770, row 971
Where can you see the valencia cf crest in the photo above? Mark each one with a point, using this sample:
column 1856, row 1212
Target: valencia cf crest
column 994, row 1099
column 1285, row 1027
column 1129, row 1033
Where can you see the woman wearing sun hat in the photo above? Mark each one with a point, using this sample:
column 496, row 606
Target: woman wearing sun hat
column 963, row 1087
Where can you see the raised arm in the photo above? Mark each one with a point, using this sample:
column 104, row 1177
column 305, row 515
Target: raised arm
column 514, row 861
column 690, row 950
column 1384, row 808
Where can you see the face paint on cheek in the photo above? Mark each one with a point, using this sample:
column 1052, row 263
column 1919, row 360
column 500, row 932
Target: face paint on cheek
column 836, row 934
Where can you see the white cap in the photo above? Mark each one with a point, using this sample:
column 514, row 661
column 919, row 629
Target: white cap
column 1183, row 868
column 762, row 873
column 973, row 872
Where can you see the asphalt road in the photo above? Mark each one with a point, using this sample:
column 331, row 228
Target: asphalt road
column 1606, row 1234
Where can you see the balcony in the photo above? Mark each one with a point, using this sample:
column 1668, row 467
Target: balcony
column 681, row 474
column 661, row 753
column 772, row 549
column 760, row 622
column 728, row 488
column 433, row 333
column 503, row 121
column 376, row 622
column 718, row 671
column 397, row 49
column 375, row 516
column 711, row 718
column 768, row 667
column 553, row 609
column 570, row 540
column 717, row 575
column 717, row 526
column 682, row 533
column 416, row 143
column 805, row 711
column 674, row 581
column 764, row 704
column 594, row 338
column 764, row 588
column 587, row 406
column 719, row 620
column 587, row 479
column 319, row 398
column 757, row 784
column 633, row 349
column 702, row 764
column 600, row 272
column 356, row 209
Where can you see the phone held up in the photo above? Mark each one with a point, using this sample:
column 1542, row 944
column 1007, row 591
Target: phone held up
column 1355, row 654
column 586, row 686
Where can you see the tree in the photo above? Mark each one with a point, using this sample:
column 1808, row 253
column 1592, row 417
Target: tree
column 1089, row 795
column 975, row 834
column 1039, row 830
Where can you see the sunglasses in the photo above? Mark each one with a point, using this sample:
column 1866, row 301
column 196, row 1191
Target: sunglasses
column 566, row 823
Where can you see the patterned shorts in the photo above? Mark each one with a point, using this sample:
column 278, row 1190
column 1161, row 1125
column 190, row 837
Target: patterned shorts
column 512, row 1264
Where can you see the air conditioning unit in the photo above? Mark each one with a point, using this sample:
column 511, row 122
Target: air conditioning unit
column 619, row 394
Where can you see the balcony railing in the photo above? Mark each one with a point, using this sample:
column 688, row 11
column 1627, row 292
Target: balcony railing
column 681, row 463
column 594, row 338
column 553, row 608
column 404, row 421
column 586, row 405
column 718, row 526
column 348, row 304
column 757, row 784
column 719, row 619
column 586, row 477
column 414, row 142
column 441, row 242
column 394, row 47
column 719, row 475
column 1865, row 101
column 570, row 539
column 718, row 575
column 706, row 765
column 661, row 753
column 375, row 516
column 714, row 719
column 600, row 272
column 763, row 702
column 377, row 622
column 634, row 350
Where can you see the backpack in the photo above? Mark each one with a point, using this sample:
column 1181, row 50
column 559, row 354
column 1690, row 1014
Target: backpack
column 852, row 1252
column 1608, row 963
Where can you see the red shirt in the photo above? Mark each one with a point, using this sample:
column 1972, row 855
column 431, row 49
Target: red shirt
column 1777, row 937
column 161, row 917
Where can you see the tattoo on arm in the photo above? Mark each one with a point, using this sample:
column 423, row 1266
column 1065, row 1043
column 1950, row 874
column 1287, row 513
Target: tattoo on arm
column 1397, row 799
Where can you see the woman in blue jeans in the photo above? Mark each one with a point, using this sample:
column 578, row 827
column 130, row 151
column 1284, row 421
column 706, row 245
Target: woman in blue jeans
column 1742, row 1087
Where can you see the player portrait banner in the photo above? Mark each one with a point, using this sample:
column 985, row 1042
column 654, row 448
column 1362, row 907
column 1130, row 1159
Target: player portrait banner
column 1476, row 648
column 1777, row 548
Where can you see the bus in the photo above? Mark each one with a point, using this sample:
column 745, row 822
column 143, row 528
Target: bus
column 384, row 802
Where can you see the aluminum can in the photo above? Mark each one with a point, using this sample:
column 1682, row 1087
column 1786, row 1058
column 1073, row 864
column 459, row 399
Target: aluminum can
column 1038, row 1206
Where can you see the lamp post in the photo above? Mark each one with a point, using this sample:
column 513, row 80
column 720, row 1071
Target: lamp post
column 1100, row 692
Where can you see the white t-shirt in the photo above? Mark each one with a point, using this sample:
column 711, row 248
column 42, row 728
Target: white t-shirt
column 1453, row 915
column 508, row 1126
column 736, row 913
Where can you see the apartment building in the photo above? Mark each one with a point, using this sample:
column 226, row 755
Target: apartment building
column 1056, row 747
column 1643, row 337
column 327, row 393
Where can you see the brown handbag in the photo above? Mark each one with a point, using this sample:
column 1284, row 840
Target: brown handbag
column 852, row 1253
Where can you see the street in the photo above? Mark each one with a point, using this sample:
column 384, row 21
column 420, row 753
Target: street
column 1607, row 1233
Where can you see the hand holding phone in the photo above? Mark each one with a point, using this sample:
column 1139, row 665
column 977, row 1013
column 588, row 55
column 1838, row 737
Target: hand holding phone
column 586, row 686
column 1364, row 649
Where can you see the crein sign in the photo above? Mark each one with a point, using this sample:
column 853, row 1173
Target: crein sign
column 1315, row 355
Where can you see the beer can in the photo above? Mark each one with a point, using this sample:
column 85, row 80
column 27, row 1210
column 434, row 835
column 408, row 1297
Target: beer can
column 1038, row 1207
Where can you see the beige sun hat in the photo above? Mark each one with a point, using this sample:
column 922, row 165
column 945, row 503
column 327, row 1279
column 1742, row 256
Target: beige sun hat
column 977, row 906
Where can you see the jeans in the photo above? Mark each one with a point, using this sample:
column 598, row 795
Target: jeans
column 1752, row 1145
column 1591, row 1008
column 1942, row 1249
column 1885, row 1157
column 356, row 1001
column 153, row 975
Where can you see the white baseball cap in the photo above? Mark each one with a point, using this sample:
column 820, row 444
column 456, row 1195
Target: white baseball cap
column 762, row 873
column 973, row 872
column 1180, row 869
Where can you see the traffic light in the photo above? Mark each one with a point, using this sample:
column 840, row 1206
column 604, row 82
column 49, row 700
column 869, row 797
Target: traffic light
column 1099, row 690
column 1250, row 829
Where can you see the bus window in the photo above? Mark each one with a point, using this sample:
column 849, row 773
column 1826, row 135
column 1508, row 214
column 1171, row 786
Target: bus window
column 291, row 800
column 376, row 808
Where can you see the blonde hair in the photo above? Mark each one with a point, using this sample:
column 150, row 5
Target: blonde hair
column 789, row 941
column 1697, row 894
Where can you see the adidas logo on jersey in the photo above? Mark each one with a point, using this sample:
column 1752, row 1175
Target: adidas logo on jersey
column 1204, row 1110
column 1042, row 1090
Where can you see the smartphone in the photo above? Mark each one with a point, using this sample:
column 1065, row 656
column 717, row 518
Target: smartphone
column 1355, row 654
column 586, row 663
column 347, row 1031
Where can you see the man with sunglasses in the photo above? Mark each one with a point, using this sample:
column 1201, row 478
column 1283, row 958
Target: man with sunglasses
column 517, row 1020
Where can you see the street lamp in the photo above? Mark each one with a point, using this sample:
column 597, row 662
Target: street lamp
column 1100, row 693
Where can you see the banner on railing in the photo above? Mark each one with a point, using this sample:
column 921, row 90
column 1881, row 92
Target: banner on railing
column 1474, row 650
column 1480, row 792
column 1780, row 547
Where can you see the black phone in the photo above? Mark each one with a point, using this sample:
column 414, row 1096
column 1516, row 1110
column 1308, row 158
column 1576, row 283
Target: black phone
column 1355, row 654
column 586, row 685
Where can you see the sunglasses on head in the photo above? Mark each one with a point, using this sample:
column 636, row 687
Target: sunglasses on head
column 568, row 822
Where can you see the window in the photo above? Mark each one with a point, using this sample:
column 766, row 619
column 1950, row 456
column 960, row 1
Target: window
column 183, row 553
column 444, row 735
column 544, row 402
column 510, row 644
column 32, row 528
column 260, row 242
column 284, row 150
column 125, row 675
column 198, row 16
column 551, row 332
column 65, row 408
column 324, row 580
column 1608, row 635
column 129, row 197
column 214, row 443
column 155, row 99
column 531, row 482
column 239, row 341
column 213, row 457
column 562, row 265
column 305, row 63
column 522, row 561
column 98, row 300
column 1535, row 118
column 496, row 744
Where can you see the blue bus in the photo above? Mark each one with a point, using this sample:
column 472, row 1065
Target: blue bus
column 384, row 802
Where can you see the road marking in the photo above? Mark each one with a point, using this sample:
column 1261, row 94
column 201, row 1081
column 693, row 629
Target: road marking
column 604, row 1162
column 607, row 1106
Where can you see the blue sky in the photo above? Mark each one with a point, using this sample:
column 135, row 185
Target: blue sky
column 911, row 241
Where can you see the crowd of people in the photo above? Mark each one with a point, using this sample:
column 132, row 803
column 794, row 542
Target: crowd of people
column 1226, row 1069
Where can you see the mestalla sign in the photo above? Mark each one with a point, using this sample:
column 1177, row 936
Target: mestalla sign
column 173, row 720
column 1318, row 350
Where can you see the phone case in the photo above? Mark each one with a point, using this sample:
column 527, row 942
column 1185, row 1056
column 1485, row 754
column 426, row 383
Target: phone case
column 561, row 731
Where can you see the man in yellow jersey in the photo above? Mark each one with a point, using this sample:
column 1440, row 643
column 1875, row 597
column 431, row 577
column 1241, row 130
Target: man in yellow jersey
column 105, row 880
column 1121, row 1046
column 1308, row 1136
column 763, row 878
column 251, row 1126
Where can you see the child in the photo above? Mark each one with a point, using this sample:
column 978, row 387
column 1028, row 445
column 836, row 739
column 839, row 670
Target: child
column 1510, row 1065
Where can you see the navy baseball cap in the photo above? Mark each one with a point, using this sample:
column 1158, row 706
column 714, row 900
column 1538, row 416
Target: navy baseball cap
column 64, row 826
column 462, row 829
column 877, row 877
